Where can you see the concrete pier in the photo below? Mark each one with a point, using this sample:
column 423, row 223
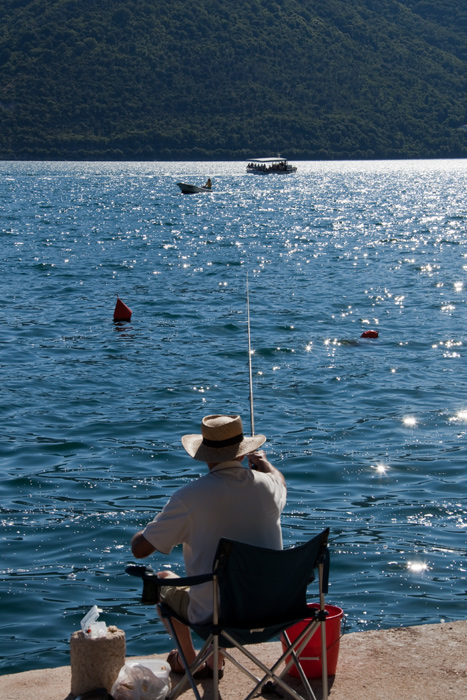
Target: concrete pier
column 426, row 662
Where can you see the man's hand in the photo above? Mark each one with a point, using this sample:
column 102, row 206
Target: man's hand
column 258, row 462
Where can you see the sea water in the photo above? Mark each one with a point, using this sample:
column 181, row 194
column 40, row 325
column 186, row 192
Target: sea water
column 369, row 433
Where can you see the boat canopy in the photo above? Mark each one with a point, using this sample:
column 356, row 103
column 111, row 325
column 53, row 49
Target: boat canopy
column 277, row 159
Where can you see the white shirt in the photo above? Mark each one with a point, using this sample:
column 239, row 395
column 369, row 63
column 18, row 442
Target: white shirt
column 230, row 501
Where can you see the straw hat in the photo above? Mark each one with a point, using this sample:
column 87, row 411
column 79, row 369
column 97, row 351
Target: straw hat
column 221, row 439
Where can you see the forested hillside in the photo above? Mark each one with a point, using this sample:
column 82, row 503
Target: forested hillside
column 217, row 79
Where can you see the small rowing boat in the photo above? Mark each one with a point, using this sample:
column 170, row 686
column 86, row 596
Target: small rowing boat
column 194, row 189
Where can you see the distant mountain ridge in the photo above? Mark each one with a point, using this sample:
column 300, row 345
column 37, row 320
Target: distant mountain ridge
column 316, row 79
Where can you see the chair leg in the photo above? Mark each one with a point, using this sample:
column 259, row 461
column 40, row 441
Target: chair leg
column 270, row 673
column 215, row 667
column 215, row 618
column 189, row 671
column 295, row 650
column 324, row 649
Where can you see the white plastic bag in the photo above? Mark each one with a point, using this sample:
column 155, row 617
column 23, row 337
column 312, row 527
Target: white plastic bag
column 138, row 682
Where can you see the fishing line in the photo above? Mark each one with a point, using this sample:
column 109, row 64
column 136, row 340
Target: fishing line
column 252, row 414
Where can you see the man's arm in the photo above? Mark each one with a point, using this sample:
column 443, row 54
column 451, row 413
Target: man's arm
column 257, row 461
column 141, row 547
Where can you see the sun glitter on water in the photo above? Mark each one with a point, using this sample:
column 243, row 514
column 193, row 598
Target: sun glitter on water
column 380, row 468
column 417, row 567
column 461, row 416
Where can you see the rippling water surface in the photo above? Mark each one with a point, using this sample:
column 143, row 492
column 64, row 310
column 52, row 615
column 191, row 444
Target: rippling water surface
column 370, row 434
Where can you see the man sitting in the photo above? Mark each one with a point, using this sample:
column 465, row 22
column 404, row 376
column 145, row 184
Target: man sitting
column 231, row 500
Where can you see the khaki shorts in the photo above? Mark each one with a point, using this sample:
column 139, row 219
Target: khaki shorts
column 176, row 598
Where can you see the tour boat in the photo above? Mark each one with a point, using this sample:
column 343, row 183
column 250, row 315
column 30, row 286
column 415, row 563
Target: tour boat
column 270, row 166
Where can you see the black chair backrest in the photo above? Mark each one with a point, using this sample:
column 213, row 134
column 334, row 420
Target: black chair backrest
column 262, row 587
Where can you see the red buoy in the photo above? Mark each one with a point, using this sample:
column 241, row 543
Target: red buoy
column 369, row 334
column 122, row 312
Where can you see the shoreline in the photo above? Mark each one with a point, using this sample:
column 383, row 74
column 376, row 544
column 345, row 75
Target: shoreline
column 422, row 662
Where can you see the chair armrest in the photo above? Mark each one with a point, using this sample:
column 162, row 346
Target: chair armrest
column 152, row 583
column 325, row 560
column 140, row 570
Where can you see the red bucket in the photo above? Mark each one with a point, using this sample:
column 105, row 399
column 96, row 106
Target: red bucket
column 310, row 658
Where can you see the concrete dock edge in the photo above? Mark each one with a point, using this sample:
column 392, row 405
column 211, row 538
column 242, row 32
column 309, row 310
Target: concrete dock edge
column 425, row 662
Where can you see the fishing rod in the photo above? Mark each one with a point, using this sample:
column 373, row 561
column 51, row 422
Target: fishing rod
column 252, row 414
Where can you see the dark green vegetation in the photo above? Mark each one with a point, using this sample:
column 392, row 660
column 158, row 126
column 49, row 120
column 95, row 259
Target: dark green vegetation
column 232, row 79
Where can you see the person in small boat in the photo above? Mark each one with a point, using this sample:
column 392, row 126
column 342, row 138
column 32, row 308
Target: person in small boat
column 232, row 500
column 208, row 184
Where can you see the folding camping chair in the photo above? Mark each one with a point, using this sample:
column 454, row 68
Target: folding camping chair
column 257, row 594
